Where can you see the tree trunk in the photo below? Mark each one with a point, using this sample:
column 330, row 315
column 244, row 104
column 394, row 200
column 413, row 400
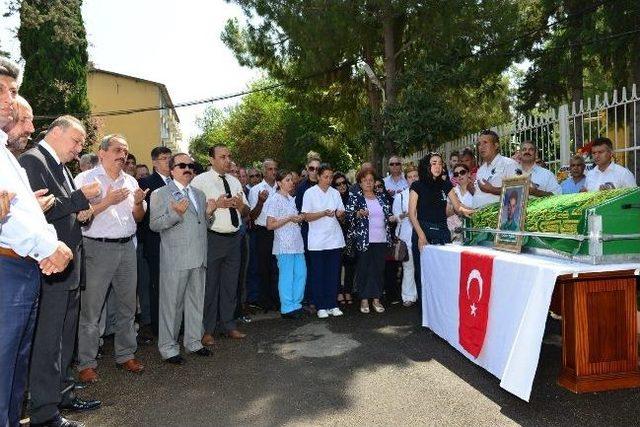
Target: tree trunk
column 392, row 31
column 575, row 77
column 375, row 104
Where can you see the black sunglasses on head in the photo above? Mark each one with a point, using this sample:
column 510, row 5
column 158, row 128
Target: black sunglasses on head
column 185, row 166
column 461, row 172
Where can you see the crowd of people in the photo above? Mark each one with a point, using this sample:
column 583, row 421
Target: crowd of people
column 148, row 254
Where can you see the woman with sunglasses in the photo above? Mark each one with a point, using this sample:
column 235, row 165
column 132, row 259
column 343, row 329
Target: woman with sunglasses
column 369, row 216
column 428, row 208
column 462, row 177
column 284, row 219
column 341, row 183
column 322, row 207
column 404, row 231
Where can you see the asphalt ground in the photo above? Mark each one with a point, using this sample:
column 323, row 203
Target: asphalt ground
column 354, row 370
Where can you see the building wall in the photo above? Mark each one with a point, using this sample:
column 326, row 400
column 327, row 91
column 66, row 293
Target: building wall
column 107, row 92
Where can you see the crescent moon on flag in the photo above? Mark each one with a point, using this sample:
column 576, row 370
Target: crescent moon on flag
column 475, row 274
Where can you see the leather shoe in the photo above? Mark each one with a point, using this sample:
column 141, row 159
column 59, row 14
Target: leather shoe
column 207, row 340
column 176, row 360
column 58, row 421
column 88, row 376
column 132, row 365
column 80, row 405
column 235, row 334
column 204, row 351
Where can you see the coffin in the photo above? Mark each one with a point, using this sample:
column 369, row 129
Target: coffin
column 599, row 227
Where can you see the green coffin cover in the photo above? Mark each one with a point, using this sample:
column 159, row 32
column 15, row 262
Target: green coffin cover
column 567, row 214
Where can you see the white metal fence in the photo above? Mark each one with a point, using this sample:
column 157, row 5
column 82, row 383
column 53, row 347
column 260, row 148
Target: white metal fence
column 558, row 133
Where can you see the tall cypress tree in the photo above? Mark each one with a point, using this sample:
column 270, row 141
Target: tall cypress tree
column 53, row 43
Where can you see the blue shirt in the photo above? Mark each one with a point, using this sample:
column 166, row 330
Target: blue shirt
column 25, row 229
column 570, row 187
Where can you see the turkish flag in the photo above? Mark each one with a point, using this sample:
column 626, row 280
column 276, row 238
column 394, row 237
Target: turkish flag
column 475, row 291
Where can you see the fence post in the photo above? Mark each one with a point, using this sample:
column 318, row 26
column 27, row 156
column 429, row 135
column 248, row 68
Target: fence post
column 565, row 138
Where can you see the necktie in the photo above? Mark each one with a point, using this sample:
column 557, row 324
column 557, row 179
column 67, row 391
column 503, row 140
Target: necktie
column 234, row 213
column 191, row 200
column 167, row 180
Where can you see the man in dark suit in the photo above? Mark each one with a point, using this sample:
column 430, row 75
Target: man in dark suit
column 150, row 239
column 51, row 379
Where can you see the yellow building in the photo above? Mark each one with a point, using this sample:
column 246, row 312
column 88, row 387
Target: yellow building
column 109, row 92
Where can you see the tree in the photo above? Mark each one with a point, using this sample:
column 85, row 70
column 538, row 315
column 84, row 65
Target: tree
column 315, row 45
column 54, row 46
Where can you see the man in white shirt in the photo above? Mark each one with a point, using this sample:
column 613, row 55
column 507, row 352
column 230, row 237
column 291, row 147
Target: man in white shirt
column 395, row 183
column 494, row 169
column 223, row 244
column 110, row 258
column 543, row 181
column 267, row 268
column 27, row 244
column 607, row 175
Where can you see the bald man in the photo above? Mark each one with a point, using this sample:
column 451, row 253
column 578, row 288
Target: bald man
column 19, row 130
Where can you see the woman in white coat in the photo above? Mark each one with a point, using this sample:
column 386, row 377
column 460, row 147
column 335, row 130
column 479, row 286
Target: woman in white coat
column 404, row 231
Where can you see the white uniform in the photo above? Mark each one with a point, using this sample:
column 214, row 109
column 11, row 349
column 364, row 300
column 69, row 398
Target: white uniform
column 614, row 176
column 500, row 168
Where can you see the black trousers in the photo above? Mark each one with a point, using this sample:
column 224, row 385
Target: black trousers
column 51, row 375
column 267, row 270
column 349, row 265
column 154, row 289
column 437, row 234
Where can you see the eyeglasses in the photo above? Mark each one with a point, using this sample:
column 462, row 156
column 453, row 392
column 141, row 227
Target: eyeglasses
column 395, row 164
column 461, row 172
column 185, row 166
column 311, row 168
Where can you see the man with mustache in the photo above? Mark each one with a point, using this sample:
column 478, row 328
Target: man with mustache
column 543, row 181
column 51, row 378
column 110, row 258
column 181, row 213
column 21, row 127
column 27, row 245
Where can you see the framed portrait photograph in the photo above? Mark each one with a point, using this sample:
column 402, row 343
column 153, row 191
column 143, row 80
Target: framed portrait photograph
column 513, row 209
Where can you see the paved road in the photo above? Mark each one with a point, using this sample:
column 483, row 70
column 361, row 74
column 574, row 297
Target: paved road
column 355, row 370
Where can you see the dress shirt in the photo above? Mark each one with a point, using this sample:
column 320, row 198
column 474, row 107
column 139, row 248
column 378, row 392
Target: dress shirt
column 615, row 175
column 543, row 179
column 212, row 186
column 569, row 186
column 396, row 186
column 192, row 198
column 115, row 222
column 401, row 206
column 253, row 199
column 53, row 153
column 166, row 179
column 25, row 229
column 500, row 168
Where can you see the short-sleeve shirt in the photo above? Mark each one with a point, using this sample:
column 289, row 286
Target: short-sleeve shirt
column 253, row 199
column 432, row 200
column 543, row 179
column 288, row 238
column 324, row 233
column 569, row 186
column 116, row 221
column 212, row 186
column 396, row 186
column 614, row 176
column 500, row 168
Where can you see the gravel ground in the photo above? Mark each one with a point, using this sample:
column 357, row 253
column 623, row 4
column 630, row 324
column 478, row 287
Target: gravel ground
column 354, row 370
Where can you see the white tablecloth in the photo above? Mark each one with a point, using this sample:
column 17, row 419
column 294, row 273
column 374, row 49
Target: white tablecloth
column 521, row 289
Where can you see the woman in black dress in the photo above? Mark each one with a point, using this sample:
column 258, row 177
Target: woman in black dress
column 428, row 208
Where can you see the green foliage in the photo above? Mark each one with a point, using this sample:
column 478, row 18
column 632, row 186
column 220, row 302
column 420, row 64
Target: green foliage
column 54, row 46
column 266, row 125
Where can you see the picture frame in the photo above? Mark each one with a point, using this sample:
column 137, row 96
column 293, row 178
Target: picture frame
column 512, row 215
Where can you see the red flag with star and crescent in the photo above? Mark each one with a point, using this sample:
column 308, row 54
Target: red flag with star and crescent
column 476, row 272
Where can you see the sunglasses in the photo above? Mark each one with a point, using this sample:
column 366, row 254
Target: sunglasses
column 341, row 183
column 395, row 164
column 461, row 172
column 185, row 166
column 255, row 175
column 311, row 168
column 378, row 186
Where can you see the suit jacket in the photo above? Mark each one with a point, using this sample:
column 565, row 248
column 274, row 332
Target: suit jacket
column 183, row 238
column 150, row 239
column 44, row 172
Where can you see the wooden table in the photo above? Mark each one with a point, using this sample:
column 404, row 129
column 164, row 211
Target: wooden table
column 599, row 331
